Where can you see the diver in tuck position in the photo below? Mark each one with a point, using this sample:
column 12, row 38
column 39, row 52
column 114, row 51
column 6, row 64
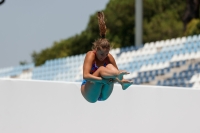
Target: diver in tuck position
column 100, row 70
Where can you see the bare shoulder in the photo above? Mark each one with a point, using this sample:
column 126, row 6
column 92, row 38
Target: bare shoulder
column 90, row 52
column 90, row 55
column 110, row 57
column 112, row 60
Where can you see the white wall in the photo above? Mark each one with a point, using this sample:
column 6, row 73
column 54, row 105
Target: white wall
column 58, row 107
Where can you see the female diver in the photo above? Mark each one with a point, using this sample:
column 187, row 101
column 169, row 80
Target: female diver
column 100, row 71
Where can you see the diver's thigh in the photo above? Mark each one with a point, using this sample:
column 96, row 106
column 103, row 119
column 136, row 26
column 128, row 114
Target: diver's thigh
column 91, row 91
column 106, row 91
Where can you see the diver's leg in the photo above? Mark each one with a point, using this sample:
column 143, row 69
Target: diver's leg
column 120, row 72
column 106, row 91
column 91, row 91
column 124, row 83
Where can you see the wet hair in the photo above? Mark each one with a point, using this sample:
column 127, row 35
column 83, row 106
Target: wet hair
column 102, row 42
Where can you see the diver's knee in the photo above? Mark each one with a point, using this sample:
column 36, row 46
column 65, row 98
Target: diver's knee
column 110, row 66
column 102, row 98
column 113, row 69
column 92, row 101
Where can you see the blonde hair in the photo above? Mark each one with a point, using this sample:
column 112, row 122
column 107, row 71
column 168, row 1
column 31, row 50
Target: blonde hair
column 101, row 43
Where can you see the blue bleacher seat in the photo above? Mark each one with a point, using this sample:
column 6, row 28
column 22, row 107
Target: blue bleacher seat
column 67, row 68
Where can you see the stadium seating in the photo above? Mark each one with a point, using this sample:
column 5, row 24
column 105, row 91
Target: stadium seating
column 172, row 62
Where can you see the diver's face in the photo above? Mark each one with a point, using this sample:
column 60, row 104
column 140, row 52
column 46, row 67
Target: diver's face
column 102, row 54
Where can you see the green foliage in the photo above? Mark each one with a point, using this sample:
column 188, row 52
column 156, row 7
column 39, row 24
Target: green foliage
column 120, row 22
column 162, row 19
column 193, row 27
column 23, row 63
column 157, row 29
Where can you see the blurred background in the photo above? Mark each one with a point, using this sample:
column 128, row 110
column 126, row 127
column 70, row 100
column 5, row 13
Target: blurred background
column 157, row 41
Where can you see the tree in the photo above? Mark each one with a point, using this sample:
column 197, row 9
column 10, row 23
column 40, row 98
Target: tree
column 193, row 27
column 192, row 11
column 162, row 19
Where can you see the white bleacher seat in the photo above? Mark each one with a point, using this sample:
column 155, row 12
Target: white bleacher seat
column 162, row 43
column 117, row 50
column 158, row 44
column 194, row 38
column 178, row 41
column 133, row 54
column 146, row 46
column 172, row 42
column 197, row 55
column 176, row 58
column 167, row 43
column 183, row 40
column 151, row 45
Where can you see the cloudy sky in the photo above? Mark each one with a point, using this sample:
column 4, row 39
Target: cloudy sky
column 30, row 25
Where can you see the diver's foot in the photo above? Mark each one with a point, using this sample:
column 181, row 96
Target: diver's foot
column 125, row 84
column 121, row 73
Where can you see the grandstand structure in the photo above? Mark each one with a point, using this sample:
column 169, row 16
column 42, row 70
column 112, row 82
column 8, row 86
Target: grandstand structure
column 172, row 62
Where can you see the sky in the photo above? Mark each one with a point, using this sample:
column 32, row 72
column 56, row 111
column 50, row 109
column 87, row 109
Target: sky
column 32, row 25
